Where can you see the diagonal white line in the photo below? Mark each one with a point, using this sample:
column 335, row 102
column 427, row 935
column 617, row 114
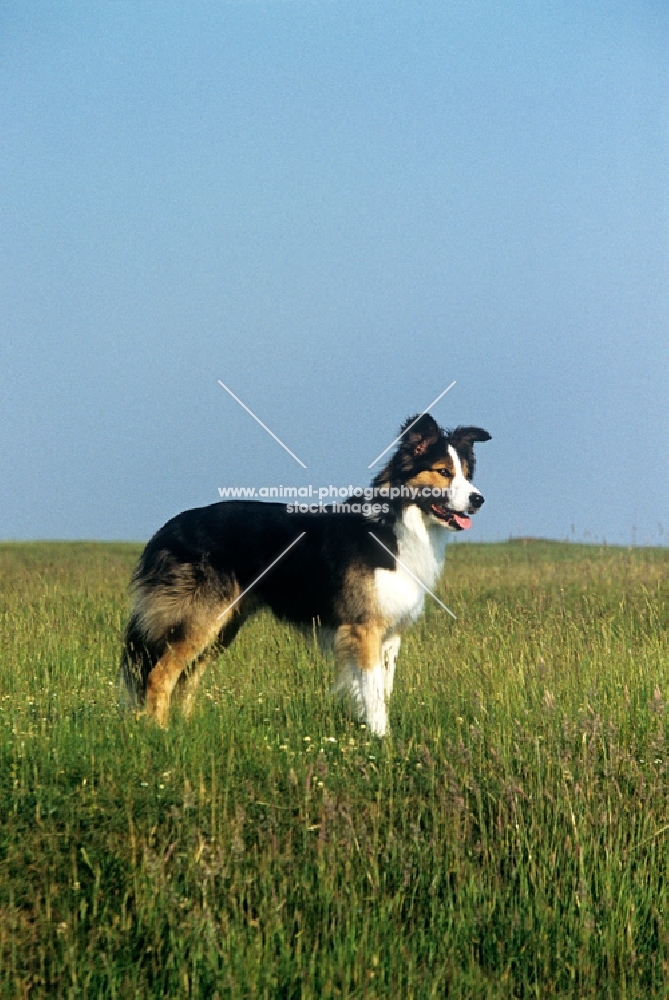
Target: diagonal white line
column 413, row 575
column 264, row 427
column 294, row 542
column 400, row 436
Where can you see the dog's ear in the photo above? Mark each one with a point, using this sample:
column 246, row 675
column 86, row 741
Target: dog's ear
column 467, row 436
column 418, row 434
column 463, row 440
column 423, row 434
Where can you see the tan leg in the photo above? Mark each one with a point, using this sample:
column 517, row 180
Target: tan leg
column 358, row 650
column 175, row 660
column 189, row 680
column 188, row 685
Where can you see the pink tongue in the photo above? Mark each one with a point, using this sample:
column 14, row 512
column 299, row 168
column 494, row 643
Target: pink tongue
column 462, row 521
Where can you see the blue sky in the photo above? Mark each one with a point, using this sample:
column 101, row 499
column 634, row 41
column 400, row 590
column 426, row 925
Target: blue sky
column 337, row 209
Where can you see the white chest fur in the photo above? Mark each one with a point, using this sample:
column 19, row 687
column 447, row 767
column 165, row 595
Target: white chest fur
column 421, row 548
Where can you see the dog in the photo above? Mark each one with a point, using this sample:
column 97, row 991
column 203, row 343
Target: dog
column 355, row 574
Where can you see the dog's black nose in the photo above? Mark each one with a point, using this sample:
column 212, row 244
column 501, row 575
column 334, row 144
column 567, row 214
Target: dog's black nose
column 476, row 500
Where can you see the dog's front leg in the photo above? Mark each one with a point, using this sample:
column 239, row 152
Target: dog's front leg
column 389, row 653
column 372, row 689
column 358, row 651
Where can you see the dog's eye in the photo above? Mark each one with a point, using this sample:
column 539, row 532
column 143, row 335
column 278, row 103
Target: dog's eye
column 445, row 473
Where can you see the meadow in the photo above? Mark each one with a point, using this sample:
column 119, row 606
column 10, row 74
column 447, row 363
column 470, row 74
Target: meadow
column 509, row 838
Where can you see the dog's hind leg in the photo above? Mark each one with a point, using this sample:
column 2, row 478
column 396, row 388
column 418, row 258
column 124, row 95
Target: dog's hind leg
column 188, row 682
column 176, row 659
column 187, row 685
column 180, row 608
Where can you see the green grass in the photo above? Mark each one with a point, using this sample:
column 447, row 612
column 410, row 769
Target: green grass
column 510, row 838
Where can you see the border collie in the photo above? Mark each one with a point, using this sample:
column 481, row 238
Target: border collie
column 347, row 572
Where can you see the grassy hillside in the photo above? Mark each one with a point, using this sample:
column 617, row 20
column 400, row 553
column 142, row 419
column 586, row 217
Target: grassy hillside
column 510, row 838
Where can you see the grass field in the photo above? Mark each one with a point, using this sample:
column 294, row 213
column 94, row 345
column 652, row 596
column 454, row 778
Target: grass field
column 510, row 838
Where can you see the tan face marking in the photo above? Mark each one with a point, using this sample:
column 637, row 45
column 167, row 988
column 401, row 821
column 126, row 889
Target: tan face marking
column 439, row 477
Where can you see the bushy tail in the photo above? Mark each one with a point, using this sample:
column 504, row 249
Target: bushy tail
column 137, row 661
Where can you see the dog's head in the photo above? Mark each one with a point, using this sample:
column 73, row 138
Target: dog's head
column 436, row 467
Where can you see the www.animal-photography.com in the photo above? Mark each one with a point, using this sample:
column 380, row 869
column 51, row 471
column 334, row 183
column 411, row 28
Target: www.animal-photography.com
column 333, row 565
